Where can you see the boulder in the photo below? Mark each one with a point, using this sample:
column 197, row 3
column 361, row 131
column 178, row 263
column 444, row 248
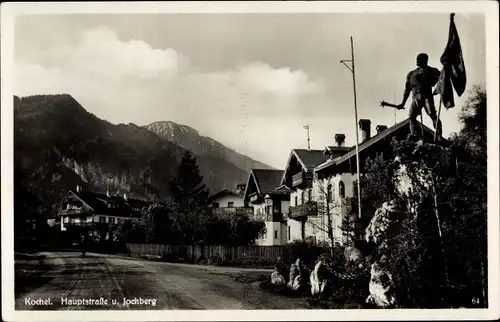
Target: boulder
column 381, row 287
column 277, row 279
column 296, row 276
column 319, row 278
column 278, row 276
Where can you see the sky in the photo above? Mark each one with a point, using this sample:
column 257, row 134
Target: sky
column 249, row 81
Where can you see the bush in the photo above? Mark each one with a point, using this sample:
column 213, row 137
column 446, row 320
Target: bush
column 307, row 251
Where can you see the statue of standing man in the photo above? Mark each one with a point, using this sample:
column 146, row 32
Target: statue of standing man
column 419, row 82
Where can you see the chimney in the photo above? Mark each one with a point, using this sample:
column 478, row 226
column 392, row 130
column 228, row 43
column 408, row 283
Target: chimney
column 125, row 196
column 364, row 126
column 381, row 128
column 340, row 139
column 78, row 188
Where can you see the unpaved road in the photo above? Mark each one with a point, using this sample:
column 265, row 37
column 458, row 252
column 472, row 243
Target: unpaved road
column 167, row 286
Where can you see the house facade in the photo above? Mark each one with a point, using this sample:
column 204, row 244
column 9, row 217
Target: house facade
column 270, row 202
column 335, row 180
column 230, row 201
column 87, row 208
column 305, row 219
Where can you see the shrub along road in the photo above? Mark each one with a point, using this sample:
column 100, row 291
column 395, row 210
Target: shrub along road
column 73, row 282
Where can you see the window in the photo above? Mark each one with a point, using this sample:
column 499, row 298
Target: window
column 275, row 234
column 341, row 189
column 303, row 197
column 230, row 204
column 289, row 233
column 329, row 193
column 296, row 200
column 269, row 210
column 309, row 195
column 215, row 205
column 102, row 219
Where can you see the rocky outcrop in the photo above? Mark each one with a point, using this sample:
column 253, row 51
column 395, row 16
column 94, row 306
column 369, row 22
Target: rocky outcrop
column 382, row 287
column 277, row 279
column 381, row 221
column 296, row 279
column 278, row 276
column 320, row 278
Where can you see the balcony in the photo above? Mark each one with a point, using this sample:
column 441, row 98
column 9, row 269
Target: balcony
column 301, row 179
column 73, row 211
column 308, row 209
column 233, row 210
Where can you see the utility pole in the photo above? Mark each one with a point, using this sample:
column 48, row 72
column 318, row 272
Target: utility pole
column 308, row 138
column 352, row 68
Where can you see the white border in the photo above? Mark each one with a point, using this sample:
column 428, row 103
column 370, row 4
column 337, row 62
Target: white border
column 10, row 10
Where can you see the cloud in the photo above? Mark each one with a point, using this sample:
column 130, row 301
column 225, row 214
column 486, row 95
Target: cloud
column 100, row 52
column 100, row 63
column 126, row 81
column 282, row 82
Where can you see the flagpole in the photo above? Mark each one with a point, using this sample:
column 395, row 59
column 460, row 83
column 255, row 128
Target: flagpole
column 358, row 170
column 439, row 114
column 452, row 16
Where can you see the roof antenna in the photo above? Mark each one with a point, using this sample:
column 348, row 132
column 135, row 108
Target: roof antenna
column 308, row 138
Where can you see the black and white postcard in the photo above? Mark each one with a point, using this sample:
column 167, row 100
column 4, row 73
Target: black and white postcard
column 255, row 160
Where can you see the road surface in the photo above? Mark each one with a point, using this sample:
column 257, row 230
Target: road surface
column 109, row 282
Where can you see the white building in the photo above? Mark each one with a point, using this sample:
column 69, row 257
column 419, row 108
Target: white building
column 335, row 180
column 88, row 208
column 304, row 219
column 270, row 202
column 228, row 201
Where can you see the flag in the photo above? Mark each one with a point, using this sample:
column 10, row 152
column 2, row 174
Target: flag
column 453, row 71
column 306, row 127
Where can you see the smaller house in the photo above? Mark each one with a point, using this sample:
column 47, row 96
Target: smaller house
column 88, row 208
column 228, row 202
column 271, row 202
column 298, row 175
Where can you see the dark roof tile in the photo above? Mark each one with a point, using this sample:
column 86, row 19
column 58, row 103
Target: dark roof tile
column 267, row 180
column 311, row 158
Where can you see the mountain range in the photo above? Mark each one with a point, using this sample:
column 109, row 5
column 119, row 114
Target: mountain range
column 58, row 145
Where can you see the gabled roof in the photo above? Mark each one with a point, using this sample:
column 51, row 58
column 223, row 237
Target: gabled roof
column 368, row 143
column 266, row 180
column 308, row 159
column 99, row 203
column 223, row 193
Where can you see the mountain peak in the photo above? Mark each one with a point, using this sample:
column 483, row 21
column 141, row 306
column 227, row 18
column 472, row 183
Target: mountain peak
column 189, row 139
column 54, row 103
column 170, row 128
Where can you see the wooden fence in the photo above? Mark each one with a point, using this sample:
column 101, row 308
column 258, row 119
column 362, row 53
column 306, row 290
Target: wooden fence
column 226, row 253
